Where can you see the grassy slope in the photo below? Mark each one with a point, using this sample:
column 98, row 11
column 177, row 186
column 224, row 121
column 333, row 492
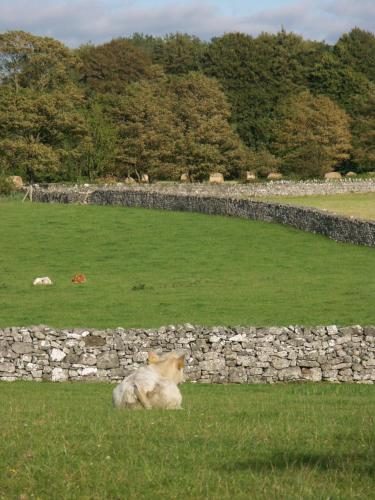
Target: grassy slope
column 355, row 204
column 148, row 268
column 251, row 441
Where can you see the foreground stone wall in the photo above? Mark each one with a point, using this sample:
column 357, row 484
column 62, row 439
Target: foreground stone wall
column 336, row 227
column 215, row 354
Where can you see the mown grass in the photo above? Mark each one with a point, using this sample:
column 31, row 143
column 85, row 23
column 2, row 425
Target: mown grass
column 146, row 268
column 247, row 441
column 360, row 205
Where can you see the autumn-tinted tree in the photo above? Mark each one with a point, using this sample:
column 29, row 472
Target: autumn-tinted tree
column 109, row 67
column 40, row 133
column 207, row 143
column 313, row 135
column 39, row 63
column 147, row 131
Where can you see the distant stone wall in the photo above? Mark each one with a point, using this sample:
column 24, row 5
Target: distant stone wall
column 240, row 190
column 334, row 226
column 213, row 355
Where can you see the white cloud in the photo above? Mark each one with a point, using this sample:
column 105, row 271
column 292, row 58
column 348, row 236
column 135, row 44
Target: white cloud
column 79, row 21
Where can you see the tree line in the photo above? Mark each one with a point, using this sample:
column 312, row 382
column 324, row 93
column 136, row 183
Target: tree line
column 172, row 105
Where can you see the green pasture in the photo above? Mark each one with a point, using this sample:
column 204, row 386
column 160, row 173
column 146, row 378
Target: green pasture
column 360, row 205
column 65, row 441
column 146, row 268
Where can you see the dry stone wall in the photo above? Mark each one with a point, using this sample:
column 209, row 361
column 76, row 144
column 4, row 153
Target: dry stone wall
column 213, row 355
column 336, row 227
column 240, row 190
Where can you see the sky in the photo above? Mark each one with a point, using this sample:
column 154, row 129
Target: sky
column 75, row 22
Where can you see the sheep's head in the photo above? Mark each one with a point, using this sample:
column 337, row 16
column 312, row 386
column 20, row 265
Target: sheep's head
column 169, row 365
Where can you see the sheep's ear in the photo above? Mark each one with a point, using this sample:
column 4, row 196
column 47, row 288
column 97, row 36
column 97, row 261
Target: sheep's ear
column 153, row 357
column 181, row 362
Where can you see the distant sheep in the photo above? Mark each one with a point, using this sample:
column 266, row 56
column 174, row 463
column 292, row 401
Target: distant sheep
column 43, row 281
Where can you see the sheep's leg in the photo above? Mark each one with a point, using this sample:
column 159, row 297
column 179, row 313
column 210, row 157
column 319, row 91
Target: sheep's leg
column 142, row 397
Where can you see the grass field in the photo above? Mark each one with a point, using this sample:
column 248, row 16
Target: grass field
column 354, row 204
column 64, row 441
column 148, row 268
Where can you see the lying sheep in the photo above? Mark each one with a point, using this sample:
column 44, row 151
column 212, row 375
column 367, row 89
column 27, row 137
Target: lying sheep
column 152, row 386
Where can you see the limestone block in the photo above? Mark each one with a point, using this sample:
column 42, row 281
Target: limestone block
column 59, row 375
column 87, row 359
column 307, row 363
column 313, row 374
column 108, row 360
column 212, row 365
column 280, row 363
column 7, row 367
column 292, row 373
column 93, row 341
column 237, row 375
column 22, row 348
column 88, row 371
column 57, row 355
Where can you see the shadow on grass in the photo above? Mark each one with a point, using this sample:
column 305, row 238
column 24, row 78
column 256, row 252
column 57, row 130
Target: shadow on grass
column 284, row 460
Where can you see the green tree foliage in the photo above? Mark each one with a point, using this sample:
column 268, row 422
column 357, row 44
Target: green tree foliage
column 256, row 73
column 177, row 53
column 263, row 162
column 109, row 67
column 312, row 136
column 98, row 149
column 340, row 82
column 357, row 50
column 39, row 63
column 363, row 130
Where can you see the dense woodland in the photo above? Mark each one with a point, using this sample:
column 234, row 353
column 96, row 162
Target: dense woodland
column 165, row 106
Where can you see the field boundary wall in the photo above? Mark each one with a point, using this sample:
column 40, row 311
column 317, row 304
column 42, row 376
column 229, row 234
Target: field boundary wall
column 213, row 354
column 336, row 227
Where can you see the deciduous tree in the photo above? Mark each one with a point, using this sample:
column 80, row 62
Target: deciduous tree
column 39, row 63
column 111, row 66
column 313, row 135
